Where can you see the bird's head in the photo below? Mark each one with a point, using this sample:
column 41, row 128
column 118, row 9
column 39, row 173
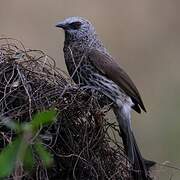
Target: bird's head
column 76, row 28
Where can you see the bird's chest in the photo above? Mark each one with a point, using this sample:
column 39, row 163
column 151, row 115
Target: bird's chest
column 73, row 55
column 77, row 63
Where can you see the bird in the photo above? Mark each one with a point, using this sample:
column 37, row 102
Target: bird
column 91, row 65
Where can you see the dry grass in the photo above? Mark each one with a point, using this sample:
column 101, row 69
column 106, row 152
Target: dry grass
column 79, row 141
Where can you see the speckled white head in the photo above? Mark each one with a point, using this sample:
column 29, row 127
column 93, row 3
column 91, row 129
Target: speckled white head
column 76, row 27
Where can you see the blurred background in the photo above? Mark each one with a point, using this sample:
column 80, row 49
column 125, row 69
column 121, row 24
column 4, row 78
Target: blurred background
column 144, row 35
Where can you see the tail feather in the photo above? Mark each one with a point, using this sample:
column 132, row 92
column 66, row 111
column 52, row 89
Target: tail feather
column 149, row 164
column 139, row 167
column 140, row 170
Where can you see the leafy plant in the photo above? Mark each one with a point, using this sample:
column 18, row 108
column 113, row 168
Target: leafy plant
column 20, row 151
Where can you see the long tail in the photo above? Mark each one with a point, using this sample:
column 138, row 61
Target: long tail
column 140, row 169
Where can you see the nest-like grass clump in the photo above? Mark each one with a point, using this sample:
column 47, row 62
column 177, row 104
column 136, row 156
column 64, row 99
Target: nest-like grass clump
column 79, row 140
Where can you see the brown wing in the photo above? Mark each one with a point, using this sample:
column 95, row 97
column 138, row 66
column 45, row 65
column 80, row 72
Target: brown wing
column 111, row 70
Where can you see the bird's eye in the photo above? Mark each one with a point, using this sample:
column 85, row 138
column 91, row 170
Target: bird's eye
column 75, row 25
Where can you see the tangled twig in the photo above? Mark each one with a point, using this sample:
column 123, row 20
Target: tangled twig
column 80, row 140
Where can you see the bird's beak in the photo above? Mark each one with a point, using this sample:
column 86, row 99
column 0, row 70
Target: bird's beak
column 61, row 25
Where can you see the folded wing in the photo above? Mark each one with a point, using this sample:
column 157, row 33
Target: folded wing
column 109, row 68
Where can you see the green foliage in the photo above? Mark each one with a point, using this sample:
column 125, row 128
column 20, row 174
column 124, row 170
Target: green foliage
column 44, row 154
column 28, row 162
column 42, row 118
column 21, row 149
column 8, row 158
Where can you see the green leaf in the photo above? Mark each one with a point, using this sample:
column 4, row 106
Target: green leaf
column 8, row 157
column 43, row 118
column 45, row 156
column 28, row 159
